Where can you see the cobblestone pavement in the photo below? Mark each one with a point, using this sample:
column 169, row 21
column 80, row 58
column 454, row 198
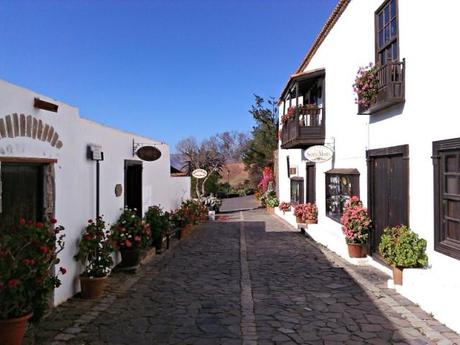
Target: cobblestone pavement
column 250, row 280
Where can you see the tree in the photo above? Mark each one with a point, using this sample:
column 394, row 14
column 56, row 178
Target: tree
column 258, row 151
column 205, row 155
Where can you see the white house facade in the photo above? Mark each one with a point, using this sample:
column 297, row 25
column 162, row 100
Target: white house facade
column 402, row 155
column 47, row 171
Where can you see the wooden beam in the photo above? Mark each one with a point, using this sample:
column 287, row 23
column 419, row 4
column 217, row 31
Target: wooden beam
column 41, row 104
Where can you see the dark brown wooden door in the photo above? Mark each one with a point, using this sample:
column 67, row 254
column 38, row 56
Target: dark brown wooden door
column 22, row 193
column 133, row 186
column 388, row 188
column 311, row 183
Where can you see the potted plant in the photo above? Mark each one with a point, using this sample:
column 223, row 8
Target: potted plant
column 181, row 221
column 158, row 221
column 130, row 235
column 285, row 206
column 401, row 248
column 28, row 275
column 95, row 254
column 306, row 213
column 271, row 201
column 356, row 225
column 213, row 203
column 366, row 86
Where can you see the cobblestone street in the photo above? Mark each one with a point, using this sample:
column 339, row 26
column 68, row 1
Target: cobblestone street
column 247, row 280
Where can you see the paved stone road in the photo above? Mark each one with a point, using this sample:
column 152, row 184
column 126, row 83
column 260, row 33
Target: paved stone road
column 247, row 281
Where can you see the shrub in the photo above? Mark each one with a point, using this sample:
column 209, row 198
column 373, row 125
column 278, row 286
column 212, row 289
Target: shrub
column 159, row 223
column 95, row 249
column 212, row 203
column 130, row 231
column 28, row 255
column 401, row 247
column 355, row 221
column 271, row 200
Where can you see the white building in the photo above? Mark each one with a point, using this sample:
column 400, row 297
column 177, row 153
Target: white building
column 402, row 157
column 46, row 171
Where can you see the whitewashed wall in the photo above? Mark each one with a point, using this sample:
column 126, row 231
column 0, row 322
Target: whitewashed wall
column 75, row 174
column 430, row 113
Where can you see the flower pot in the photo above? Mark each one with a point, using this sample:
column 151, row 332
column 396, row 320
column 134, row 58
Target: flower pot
column 298, row 220
column 357, row 250
column 130, row 257
column 92, row 287
column 12, row 330
column 309, row 221
column 397, row 275
column 270, row 210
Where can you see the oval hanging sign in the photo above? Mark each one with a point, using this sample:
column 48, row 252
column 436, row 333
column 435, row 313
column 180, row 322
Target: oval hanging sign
column 318, row 154
column 199, row 173
column 148, row 153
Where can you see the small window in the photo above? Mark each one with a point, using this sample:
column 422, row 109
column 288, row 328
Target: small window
column 297, row 191
column 446, row 164
column 386, row 33
column 341, row 185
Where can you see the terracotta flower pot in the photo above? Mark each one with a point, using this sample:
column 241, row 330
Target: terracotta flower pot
column 92, row 287
column 357, row 250
column 130, row 257
column 12, row 330
column 397, row 275
column 270, row 210
column 298, row 220
column 309, row 221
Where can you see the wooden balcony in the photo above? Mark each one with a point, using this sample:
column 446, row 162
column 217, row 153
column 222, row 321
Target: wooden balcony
column 391, row 85
column 304, row 129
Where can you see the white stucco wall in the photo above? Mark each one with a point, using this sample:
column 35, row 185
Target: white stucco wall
column 429, row 113
column 75, row 175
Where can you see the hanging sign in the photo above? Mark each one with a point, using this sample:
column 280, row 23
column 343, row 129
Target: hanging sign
column 318, row 154
column 148, row 153
column 199, row 173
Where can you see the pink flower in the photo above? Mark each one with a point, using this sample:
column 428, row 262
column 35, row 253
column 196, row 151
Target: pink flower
column 62, row 270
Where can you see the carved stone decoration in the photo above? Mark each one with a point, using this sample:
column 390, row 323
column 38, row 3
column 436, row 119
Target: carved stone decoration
column 118, row 190
column 14, row 125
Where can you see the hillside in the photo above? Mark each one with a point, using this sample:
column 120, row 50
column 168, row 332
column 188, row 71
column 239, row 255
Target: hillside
column 237, row 174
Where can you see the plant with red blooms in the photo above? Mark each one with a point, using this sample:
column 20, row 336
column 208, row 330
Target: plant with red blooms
column 355, row 221
column 285, row 206
column 267, row 180
column 306, row 212
column 130, row 231
column 28, row 255
column 95, row 250
column 366, row 86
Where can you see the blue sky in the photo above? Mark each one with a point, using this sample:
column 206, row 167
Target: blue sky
column 165, row 69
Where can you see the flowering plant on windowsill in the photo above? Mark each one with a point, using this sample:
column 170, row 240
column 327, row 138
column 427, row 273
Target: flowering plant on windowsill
column 307, row 212
column 95, row 250
column 355, row 221
column 28, row 255
column 366, row 86
column 130, row 231
column 285, row 206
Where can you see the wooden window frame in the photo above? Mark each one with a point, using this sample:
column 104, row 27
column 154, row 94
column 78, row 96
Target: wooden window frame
column 378, row 49
column 353, row 177
column 441, row 244
column 301, row 182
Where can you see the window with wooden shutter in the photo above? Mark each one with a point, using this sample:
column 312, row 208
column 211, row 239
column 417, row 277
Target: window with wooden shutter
column 446, row 164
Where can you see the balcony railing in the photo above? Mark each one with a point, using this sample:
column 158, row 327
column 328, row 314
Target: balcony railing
column 391, row 84
column 304, row 128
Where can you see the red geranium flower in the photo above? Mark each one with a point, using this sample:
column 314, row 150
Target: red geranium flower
column 13, row 282
column 137, row 238
column 53, row 221
column 62, row 270
column 44, row 250
column 22, row 221
column 128, row 243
